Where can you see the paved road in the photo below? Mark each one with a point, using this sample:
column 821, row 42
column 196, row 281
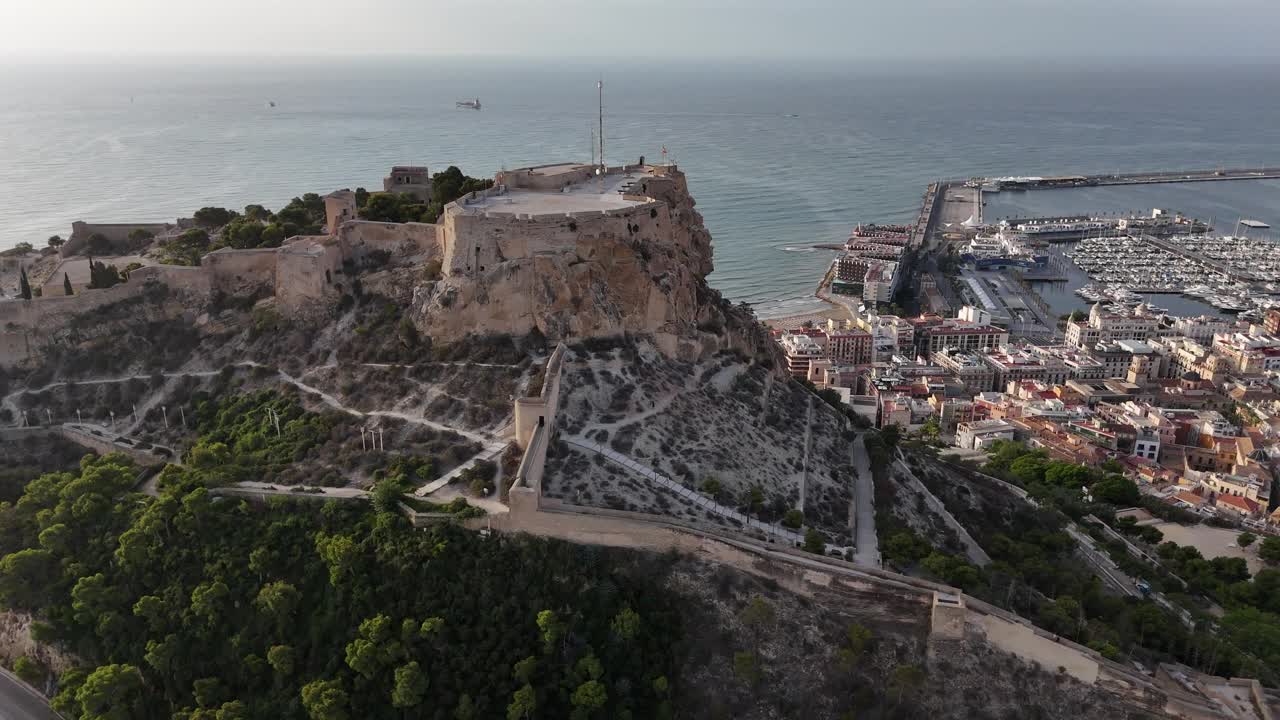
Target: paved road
column 18, row 702
column 863, row 512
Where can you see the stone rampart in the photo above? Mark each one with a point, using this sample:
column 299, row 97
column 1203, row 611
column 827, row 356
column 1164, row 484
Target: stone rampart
column 360, row 237
column 306, row 272
column 533, row 411
column 241, row 272
column 117, row 233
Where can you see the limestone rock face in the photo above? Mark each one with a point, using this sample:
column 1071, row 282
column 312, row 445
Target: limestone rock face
column 638, row 272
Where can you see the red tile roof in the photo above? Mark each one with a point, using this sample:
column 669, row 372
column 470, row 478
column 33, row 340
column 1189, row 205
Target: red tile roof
column 1239, row 504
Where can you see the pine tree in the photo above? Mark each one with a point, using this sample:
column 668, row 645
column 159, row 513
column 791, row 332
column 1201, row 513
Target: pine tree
column 24, row 287
column 66, row 285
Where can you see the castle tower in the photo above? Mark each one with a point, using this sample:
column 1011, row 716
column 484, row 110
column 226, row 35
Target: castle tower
column 339, row 207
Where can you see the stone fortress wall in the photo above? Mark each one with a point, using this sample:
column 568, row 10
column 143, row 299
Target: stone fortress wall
column 81, row 231
column 953, row 616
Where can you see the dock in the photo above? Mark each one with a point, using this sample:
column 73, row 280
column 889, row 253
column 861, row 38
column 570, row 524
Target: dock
column 948, row 203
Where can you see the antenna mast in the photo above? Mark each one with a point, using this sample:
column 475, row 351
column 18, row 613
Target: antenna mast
column 600, row 92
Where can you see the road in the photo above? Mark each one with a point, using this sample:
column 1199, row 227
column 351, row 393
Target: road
column 19, row 702
column 862, row 515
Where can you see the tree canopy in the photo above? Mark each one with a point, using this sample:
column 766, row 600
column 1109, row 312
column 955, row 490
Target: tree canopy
column 190, row 606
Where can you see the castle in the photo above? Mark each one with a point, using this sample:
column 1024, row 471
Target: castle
column 569, row 250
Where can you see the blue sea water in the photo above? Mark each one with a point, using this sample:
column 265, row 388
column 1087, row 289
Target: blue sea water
column 779, row 157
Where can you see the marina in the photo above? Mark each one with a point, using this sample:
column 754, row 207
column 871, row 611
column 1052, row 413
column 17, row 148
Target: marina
column 1073, row 259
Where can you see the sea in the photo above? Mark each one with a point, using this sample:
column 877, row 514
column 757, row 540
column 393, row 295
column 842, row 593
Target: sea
column 780, row 156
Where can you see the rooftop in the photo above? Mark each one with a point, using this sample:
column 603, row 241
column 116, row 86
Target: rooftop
column 599, row 193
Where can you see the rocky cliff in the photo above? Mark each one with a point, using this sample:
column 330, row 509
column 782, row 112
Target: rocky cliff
column 640, row 272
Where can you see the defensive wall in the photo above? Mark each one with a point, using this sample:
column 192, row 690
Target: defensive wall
column 953, row 616
column 117, row 233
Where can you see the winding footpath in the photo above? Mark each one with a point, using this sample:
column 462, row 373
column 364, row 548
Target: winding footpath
column 698, row 499
column 492, row 444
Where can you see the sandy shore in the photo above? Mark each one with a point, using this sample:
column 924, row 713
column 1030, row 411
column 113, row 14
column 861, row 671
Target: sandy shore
column 820, row 317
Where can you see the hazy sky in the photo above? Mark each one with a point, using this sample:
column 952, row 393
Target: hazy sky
column 626, row 29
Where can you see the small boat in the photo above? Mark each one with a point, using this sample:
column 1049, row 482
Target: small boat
column 469, row 104
column 271, row 103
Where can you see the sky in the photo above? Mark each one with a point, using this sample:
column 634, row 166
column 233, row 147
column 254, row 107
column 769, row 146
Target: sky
column 932, row 30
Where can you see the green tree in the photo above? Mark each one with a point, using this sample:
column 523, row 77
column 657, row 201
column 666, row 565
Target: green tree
column 931, row 430
column 29, row 670
column 626, row 624
column 1269, row 550
column 524, row 670
column 325, row 700
column 103, row 276
column 1029, row 468
column 213, row 217
column 1246, row 539
column 410, row 686
column 755, row 499
column 859, row 638
column 111, row 692
column 1068, row 475
column 66, row 285
column 711, row 486
column 375, row 647
column 552, row 630
column 278, row 600
column 890, row 434
column 590, row 696
column 1116, row 490
column 466, row 708
column 814, row 542
column 24, row 578
column 794, row 518
column 161, row 653
column 56, row 241
column 186, row 249
column 257, row 212
column 523, row 703
column 281, row 659
column 24, row 285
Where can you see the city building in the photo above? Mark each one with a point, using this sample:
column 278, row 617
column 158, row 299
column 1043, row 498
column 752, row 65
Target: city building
column 979, row 434
column 1011, row 365
column 1247, row 353
column 967, row 367
column 1104, row 326
column 932, row 337
column 849, row 347
column 800, row 351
